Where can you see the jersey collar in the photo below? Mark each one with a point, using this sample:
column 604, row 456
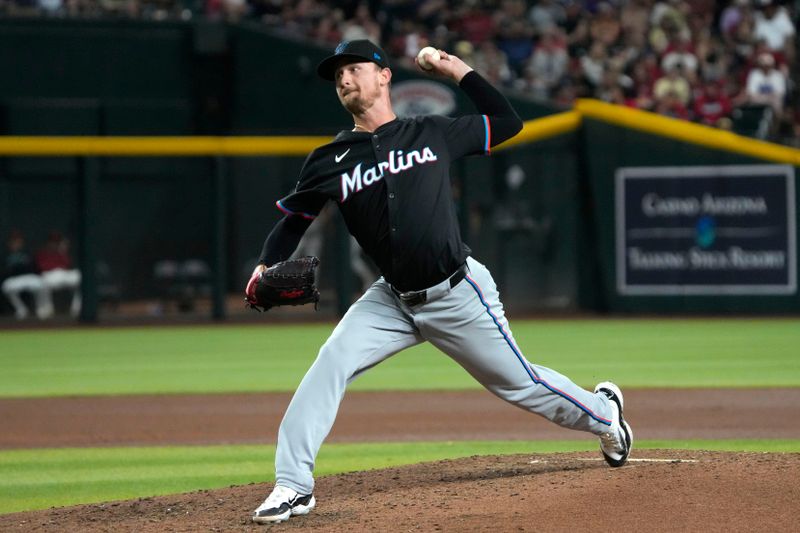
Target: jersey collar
column 350, row 134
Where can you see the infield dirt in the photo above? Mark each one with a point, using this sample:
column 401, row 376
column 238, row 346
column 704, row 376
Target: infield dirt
column 666, row 490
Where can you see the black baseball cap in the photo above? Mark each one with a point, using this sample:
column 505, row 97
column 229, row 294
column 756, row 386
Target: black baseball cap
column 352, row 52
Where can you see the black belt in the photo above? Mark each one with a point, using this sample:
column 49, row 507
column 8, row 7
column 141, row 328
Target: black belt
column 412, row 298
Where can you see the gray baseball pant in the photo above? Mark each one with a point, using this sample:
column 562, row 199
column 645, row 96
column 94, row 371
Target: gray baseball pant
column 467, row 323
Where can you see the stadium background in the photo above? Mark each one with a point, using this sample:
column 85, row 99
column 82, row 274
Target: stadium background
column 539, row 213
column 530, row 213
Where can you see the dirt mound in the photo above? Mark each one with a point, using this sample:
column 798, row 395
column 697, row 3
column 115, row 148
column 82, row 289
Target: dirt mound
column 664, row 490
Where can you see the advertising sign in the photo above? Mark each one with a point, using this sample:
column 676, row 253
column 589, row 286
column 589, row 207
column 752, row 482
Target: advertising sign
column 711, row 230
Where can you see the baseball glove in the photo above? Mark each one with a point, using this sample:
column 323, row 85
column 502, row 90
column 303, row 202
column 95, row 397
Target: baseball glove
column 289, row 282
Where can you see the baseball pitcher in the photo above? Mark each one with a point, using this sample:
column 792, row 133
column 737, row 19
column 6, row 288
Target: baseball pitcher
column 390, row 179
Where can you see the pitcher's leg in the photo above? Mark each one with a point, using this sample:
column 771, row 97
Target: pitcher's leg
column 475, row 333
column 371, row 331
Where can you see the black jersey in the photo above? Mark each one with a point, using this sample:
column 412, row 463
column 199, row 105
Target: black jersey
column 393, row 189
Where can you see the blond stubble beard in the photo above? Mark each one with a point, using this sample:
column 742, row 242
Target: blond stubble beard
column 360, row 104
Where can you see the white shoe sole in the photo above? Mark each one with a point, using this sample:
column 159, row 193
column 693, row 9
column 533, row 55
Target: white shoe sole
column 277, row 519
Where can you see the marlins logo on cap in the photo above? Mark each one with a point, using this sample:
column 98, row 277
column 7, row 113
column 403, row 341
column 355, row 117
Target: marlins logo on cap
column 351, row 52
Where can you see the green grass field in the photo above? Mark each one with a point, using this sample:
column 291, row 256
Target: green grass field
column 38, row 479
column 635, row 353
column 214, row 359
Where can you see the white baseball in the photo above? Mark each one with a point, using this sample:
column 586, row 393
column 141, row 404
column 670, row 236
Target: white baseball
column 433, row 54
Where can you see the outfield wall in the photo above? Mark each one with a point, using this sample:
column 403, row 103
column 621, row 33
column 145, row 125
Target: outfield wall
column 542, row 212
column 685, row 218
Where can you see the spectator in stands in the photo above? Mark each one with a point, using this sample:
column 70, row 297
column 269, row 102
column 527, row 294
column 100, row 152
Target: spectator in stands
column 632, row 46
column 714, row 65
column 55, row 265
column 548, row 64
column 405, row 44
column 492, row 64
column 565, row 94
column 514, row 34
column 712, row 104
column 668, row 30
column 637, row 37
column 474, row 23
column 671, row 104
column 761, row 47
column 741, row 40
column 576, row 27
column 21, row 276
column 642, row 75
column 673, row 13
column 766, row 84
column 302, row 16
column 593, row 64
column 673, row 85
column 362, row 26
column 732, row 16
column 516, row 41
column 700, row 19
column 605, row 26
column 634, row 17
column 329, row 29
column 773, row 24
column 609, row 89
column 680, row 53
column 465, row 51
column 546, row 15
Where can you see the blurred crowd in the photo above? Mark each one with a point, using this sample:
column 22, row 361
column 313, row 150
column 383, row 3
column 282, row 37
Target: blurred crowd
column 702, row 60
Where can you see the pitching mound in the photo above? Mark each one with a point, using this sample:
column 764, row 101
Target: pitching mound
column 658, row 491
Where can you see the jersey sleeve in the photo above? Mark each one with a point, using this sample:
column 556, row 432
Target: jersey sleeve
column 466, row 135
column 306, row 200
column 306, row 204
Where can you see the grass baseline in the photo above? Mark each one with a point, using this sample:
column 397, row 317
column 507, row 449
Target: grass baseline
column 640, row 353
column 39, row 479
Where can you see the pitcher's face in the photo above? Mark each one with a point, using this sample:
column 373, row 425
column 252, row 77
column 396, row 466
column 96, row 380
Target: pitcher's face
column 359, row 85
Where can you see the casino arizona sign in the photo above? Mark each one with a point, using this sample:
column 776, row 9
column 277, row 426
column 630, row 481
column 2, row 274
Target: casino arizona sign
column 357, row 180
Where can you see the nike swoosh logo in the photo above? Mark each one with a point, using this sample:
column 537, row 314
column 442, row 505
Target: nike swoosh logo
column 339, row 158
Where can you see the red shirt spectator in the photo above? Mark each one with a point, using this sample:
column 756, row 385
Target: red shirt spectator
column 759, row 50
column 712, row 105
column 54, row 254
column 680, row 52
column 671, row 105
column 476, row 25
